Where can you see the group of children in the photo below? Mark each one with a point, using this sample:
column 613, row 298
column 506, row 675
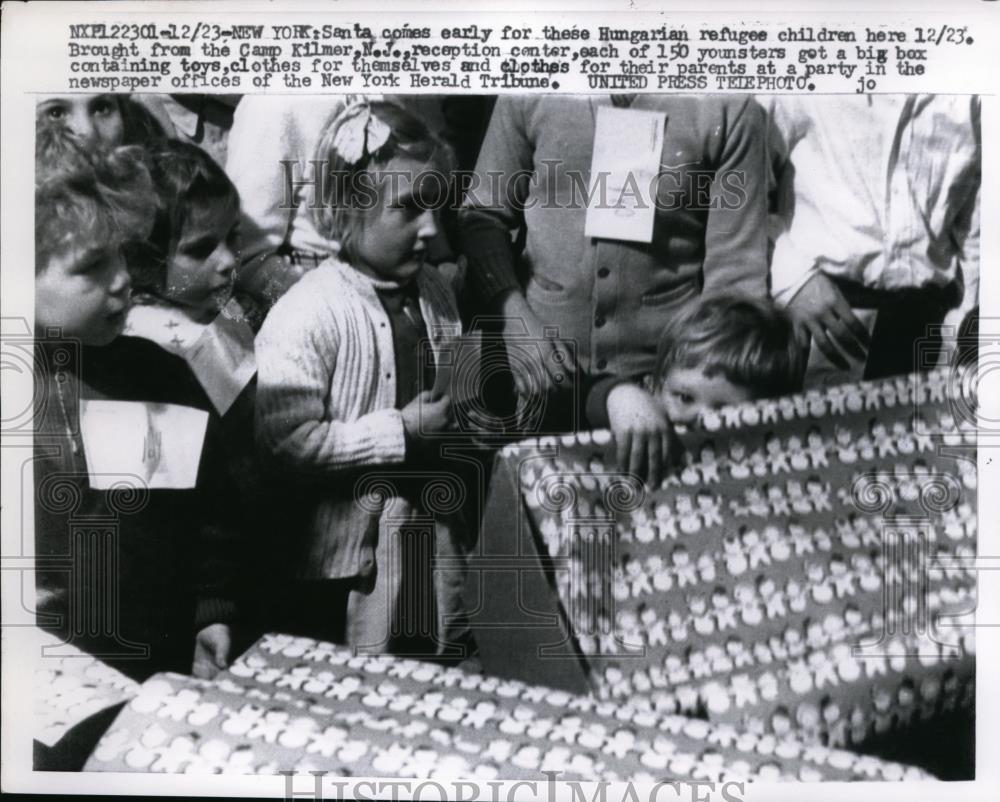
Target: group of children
column 282, row 478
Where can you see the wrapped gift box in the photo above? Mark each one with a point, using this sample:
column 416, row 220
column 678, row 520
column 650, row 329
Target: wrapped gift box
column 294, row 704
column 805, row 569
column 71, row 687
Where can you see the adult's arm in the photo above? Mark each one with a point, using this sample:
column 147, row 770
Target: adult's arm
column 736, row 232
column 493, row 206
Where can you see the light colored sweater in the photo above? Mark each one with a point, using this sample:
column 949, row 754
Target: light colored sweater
column 271, row 149
column 612, row 298
column 881, row 191
column 326, row 393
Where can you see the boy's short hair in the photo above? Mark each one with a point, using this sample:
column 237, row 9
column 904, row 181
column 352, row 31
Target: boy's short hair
column 188, row 186
column 749, row 341
column 87, row 198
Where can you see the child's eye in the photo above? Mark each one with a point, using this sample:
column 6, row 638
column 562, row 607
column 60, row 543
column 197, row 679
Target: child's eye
column 94, row 265
column 201, row 250
column 102, row 107
column 684, row 398
column 411, row 208
column 55, row 112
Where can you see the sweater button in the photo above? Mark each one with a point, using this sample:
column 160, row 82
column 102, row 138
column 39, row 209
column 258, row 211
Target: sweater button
column 602, row 364
column 599, row 321
column 603, row 272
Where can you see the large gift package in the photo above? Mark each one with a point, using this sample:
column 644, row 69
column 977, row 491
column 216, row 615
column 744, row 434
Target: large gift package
column 295, row 704
column 806, row 569
column 70, row 687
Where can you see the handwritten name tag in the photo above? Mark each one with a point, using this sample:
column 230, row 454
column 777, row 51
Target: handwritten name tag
column 628, row 145
column 159, row 443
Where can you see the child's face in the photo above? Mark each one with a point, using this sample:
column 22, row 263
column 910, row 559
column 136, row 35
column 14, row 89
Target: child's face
column 394, row 235
column 95, row 120
column 200, row 273
column 687, row 394
column 85, row 292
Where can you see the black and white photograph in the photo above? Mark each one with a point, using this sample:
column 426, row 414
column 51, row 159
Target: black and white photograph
column 621, row 435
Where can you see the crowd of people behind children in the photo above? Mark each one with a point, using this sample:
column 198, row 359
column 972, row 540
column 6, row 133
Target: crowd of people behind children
column 244, row 309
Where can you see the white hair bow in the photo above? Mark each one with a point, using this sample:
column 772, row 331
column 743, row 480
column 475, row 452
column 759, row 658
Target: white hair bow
column 359, row 133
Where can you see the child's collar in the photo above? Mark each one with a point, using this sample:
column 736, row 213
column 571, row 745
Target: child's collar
column 377, row 283
column 163, row 324
column 391, row 286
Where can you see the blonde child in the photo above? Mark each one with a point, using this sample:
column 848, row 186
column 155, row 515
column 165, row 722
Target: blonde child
column 719, row 350
column 345, row 404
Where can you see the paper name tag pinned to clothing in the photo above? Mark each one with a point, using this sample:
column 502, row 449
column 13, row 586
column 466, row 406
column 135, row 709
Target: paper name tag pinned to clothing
column 628, row 145
column 458, row 367
column 223, row 360
column 159, row 443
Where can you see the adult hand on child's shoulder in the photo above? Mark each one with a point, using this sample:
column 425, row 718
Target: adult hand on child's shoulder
column 644, row 436
column 542, row 364
column 211, row 650
column 820, row 310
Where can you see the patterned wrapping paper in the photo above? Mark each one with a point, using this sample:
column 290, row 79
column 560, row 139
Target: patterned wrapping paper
column 72, row 687
column 801, row 572
column 298, row 704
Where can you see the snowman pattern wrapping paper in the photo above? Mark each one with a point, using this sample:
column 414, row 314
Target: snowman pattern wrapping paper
column 294, row 704
column 71, row 687
column 806, row 569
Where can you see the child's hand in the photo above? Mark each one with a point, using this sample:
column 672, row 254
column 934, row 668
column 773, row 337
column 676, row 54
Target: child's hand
column 426, row 414
column 211, row 651
column 642, row 432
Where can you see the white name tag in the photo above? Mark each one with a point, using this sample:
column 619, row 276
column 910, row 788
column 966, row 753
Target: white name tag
column 223, row 360
column 628, row 145
column 159, row 443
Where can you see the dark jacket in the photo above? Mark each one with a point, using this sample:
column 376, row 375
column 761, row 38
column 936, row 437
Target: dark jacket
column 129, row 575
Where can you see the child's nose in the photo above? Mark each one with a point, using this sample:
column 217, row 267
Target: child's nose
column 82, row 127
column 428, row 225
column 229, row 259
column 121, row 281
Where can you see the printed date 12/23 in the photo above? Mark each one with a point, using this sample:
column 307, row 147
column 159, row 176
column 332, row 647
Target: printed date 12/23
column 944, row 34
